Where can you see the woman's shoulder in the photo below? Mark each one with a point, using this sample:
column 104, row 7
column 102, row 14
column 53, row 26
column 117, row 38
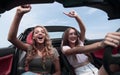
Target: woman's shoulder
column 81, row 43
column 66, row 47
column 55, row 52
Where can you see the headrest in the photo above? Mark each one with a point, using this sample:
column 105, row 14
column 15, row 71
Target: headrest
column 29, row 38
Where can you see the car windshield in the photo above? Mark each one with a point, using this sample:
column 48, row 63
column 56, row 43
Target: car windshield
column 54, row 35
column 95, row 20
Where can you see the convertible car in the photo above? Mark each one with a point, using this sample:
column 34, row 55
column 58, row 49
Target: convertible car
column 12, row 59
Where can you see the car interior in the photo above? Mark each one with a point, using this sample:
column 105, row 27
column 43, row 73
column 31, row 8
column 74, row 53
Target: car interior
column 14, row 58
column 66, row 68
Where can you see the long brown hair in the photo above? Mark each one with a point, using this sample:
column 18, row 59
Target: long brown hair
column 65, row 40
column 48, row 50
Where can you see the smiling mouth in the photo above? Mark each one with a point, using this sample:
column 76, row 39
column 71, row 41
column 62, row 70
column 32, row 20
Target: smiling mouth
column 40, row 37
column 73, row 39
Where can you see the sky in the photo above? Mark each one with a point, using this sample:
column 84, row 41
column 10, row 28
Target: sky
column 95, row 20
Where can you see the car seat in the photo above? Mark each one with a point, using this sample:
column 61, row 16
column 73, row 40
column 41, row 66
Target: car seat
column 29, row 38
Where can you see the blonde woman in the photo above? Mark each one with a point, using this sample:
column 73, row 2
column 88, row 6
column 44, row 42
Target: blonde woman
column 40, row 51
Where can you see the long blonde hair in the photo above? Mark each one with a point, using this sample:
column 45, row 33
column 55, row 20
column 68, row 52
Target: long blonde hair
column 48, row 50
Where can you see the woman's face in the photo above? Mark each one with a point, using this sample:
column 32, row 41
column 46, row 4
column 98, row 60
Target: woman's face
column 39, row 35
column 72, row 36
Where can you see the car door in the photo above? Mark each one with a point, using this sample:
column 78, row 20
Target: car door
column 9, row 57
column 8, row 60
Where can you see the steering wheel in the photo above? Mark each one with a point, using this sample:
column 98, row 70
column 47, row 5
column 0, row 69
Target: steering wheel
column 110, row 58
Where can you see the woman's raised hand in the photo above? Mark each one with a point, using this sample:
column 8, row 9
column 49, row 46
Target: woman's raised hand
column 72, row 14
column 23, row 9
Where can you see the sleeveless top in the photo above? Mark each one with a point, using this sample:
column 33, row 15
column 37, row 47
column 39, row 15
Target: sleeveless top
column 75, row 59
column 37, row 64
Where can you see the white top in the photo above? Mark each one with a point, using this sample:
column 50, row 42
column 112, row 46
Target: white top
column 75, row 59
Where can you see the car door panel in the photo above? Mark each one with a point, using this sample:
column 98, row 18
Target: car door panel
column 6, row 60
column 6, row 64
